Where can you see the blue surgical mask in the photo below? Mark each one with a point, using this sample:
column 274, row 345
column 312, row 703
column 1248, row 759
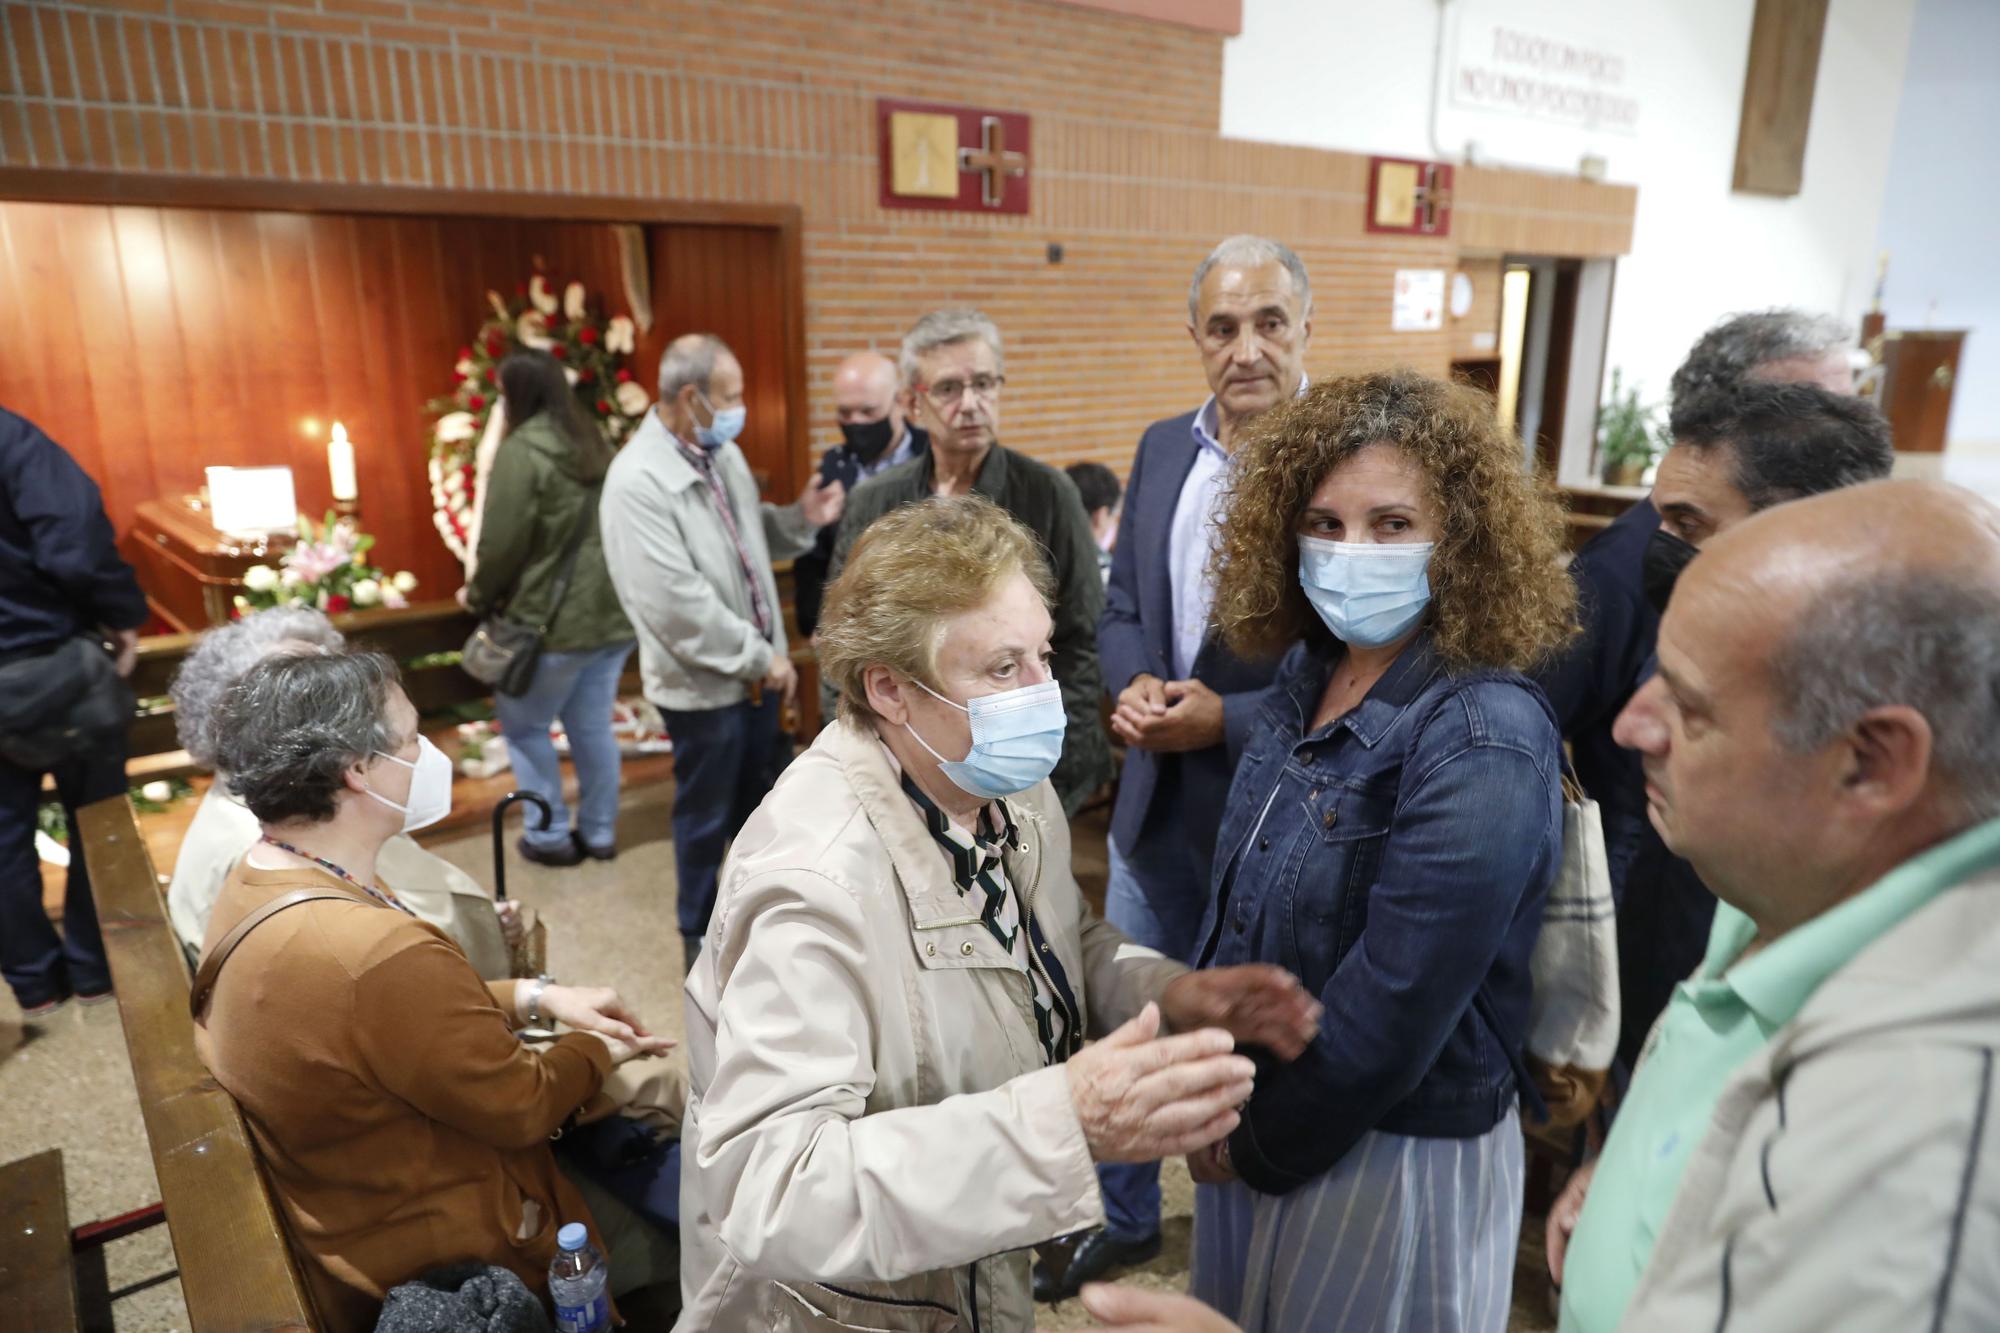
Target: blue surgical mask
column 724, row 424
column 1017, row 737
column 1369, row 594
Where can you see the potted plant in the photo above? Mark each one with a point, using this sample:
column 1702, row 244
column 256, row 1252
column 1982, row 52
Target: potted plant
column 1628, row 435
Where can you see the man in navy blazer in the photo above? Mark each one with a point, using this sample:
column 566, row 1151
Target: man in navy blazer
column 1185, row 702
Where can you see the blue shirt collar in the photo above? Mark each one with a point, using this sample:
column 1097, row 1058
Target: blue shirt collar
column 1369, row 721
column 1205, row 422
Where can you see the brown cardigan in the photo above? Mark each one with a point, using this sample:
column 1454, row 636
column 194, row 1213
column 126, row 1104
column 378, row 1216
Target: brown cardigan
column 402, row 1123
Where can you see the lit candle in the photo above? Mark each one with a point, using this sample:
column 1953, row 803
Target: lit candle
column 340, row 463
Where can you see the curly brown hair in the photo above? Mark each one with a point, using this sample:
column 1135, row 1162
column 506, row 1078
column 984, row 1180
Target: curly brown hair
column 1499, row 594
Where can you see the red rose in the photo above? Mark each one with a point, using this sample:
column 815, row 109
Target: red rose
column 520, row 289
column 495, row 344
column 475, row 402
column 458, row 375
column 465, row 353
column 604, row 407
column 558, row 351
column 587, row 336
column 335, row 604
column 492, row 375
column 468, row 470
column 624, row 377
column 586, row 377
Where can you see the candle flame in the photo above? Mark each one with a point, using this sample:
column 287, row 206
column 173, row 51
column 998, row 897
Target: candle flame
column 339, row 433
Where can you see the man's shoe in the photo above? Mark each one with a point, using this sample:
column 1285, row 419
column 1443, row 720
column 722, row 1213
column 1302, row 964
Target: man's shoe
column 594, row 853
column 91, row 999
column 32, row 1012
column 561, row 855
column 1095, row 1257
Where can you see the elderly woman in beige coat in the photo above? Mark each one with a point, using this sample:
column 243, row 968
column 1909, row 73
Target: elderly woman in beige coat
column 892, row 1094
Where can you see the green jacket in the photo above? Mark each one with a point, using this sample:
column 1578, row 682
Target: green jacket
column 1047, row 504
column 534, row 499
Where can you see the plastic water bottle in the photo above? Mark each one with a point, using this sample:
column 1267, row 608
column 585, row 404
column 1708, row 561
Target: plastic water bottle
column 579, row 1281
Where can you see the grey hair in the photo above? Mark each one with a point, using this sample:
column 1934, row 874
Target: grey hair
column 689, row 359
column 942, row 328
column 1729, row 352
column 292, row 726
column 1926, row 640
column 1244, row 250
column 221, row 656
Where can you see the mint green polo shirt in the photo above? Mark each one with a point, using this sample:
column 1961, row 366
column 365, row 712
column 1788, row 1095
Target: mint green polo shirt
column 1717, row 1020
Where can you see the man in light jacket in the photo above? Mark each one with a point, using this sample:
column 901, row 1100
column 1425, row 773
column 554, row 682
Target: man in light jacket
column 689, row 545
column 1808, row 1139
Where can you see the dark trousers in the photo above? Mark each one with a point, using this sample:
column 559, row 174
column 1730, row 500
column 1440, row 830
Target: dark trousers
column 725, row 760
column 39, row 964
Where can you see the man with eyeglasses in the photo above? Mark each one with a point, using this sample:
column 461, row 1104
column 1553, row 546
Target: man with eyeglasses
column 952, row 372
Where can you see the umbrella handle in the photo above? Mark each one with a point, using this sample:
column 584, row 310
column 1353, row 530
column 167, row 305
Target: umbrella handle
column 541, row 803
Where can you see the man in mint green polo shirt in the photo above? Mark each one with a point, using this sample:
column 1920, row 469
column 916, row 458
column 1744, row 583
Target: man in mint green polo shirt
column 1800, row 1145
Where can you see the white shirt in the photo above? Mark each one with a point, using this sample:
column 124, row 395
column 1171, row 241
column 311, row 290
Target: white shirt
column 1191, row 539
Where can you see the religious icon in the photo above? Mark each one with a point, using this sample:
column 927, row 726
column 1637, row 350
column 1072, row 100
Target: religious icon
column 924, row 151
column 1409, row 196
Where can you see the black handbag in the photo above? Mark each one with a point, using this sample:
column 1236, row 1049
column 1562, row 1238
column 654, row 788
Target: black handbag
column 60, row 701
column 504, row 653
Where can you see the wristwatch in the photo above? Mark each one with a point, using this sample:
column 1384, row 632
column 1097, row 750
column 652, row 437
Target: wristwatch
column 530, row 1002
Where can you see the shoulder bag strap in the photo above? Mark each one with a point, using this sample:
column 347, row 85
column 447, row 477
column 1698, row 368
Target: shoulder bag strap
column 561, row 586
column 211, row 966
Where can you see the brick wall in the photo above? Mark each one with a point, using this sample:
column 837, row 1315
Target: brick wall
column 774, row 102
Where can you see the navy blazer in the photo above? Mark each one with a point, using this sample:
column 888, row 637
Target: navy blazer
column 60, row 571
column 1182, row 793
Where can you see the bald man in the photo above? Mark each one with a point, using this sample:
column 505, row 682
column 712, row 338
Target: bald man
column 1809, row 1141
column 875, row 436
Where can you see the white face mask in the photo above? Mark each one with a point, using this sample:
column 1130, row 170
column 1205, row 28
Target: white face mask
column 430, row 787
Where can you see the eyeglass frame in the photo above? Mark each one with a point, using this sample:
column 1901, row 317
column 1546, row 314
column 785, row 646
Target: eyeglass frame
column 988, row 394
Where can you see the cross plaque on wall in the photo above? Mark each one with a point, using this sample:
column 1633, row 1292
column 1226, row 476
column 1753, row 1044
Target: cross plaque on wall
column 1410, row 197
column 953, row 159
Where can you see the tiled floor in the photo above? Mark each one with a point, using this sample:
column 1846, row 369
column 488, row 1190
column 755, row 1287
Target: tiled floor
column 65, row 1082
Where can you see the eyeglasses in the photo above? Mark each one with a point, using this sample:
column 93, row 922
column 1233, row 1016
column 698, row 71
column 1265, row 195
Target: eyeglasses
column 946, row 392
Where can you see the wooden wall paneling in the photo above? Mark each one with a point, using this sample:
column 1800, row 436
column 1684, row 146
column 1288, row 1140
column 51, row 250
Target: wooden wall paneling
column 1778, row 85
column 91, row 257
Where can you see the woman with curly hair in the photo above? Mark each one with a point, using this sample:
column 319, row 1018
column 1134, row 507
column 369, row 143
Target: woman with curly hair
column 1390, row 836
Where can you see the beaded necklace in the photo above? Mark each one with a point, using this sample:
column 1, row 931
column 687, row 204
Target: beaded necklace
column 385, row 899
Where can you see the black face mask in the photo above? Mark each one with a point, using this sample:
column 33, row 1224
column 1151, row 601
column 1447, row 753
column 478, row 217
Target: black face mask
column 1667, row 554
column 866, row 438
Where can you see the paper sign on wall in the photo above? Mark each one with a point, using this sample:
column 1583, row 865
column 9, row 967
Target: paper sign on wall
column 1419, row 304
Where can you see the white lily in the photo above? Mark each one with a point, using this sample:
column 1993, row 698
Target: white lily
column 404, row 581
column 260, row 578
column 532, row 330
column 453, row 428
column 573, row 301
column 538, row 292
column 618, row 335
column 366, row 592
column 632, row 399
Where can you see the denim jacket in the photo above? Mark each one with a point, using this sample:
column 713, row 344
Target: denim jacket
column 1396, row 861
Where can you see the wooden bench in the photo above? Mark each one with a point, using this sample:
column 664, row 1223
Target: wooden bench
column 37, row 1271
column 237, row 1269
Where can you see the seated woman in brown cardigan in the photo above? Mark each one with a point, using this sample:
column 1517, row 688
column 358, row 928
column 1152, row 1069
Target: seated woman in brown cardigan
column 403, row 1124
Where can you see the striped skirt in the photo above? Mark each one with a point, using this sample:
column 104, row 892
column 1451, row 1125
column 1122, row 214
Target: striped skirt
column 1404, row 1235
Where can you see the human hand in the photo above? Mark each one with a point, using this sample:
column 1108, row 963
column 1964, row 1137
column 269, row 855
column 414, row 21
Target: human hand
column 127, row 641
column 1562, row 1218
column 1144, row 1311
column 783, row 677
column 1141, row 1097
column 1169, row 716
column 1259, row 1004
column 1211, row 1165
column 823, row 502
column 597, row 1009
column 621, row 1051
column 513, row 928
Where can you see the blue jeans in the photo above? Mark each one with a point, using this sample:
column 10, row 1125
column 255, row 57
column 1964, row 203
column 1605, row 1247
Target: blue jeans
column 38, row 963
column 1167, row 920
column 725, row 760
column 580, row 689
